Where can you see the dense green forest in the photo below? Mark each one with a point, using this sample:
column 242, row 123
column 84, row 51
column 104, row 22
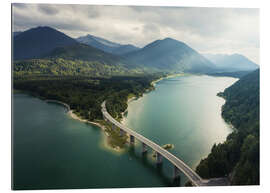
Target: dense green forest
column 238, row 156
column 83, row 85
column 85, row 94
column 70, row 67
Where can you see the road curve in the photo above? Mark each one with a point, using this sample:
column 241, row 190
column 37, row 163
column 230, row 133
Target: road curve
column 192, row 176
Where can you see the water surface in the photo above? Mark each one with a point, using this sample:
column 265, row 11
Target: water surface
column 52, row 151
column 184, row 111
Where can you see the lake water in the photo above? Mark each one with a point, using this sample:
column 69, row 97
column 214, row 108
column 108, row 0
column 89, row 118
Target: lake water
column 51, row 150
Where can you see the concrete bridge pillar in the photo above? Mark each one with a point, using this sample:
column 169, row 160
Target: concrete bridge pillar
column 144, row 148
column 159, row 158
column 132, row 140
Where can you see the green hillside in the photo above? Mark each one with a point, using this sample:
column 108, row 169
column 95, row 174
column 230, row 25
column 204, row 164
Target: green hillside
column 238, row 156
column 36, row 42
column 85, row 53
column 172, row 56
column 67, row 67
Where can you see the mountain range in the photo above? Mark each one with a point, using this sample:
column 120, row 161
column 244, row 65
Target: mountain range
column 36, row 42
column 84, row 52
column 232, row 63
column 166, row 55
column 170, row 55
column 106, row 45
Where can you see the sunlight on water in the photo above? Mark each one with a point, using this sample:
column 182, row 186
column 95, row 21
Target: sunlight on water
column 184, row 111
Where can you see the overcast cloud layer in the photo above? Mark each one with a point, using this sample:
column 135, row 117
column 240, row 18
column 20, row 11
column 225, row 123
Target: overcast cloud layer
column 207, row 30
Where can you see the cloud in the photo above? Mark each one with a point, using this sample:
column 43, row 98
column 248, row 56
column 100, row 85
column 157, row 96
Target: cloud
column 207, row 30
column 19, row 5
column 50, row 10
column 151, row 29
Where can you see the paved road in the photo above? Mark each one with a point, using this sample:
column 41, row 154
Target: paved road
column 192, row 176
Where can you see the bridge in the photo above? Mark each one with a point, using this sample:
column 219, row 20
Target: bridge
column 178, row 164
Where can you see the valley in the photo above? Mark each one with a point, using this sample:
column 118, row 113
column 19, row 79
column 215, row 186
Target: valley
column 83, row 72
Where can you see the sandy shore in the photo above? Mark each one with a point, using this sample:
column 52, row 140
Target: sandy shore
column 129, row 100
column 76, row 117
column 153, row 83
column 73, row 115
column 102, row 127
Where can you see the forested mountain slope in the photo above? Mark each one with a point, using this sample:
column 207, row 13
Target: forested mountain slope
column 238, row 156
column 170, row 55
column 39, row 41
column 85, row 53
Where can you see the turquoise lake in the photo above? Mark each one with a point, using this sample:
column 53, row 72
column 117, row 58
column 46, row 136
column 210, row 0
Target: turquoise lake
column 51, row 150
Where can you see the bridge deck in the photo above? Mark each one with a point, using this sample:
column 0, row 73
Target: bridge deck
column 193, row 176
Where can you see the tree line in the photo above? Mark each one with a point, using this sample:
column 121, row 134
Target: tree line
column 238, row 157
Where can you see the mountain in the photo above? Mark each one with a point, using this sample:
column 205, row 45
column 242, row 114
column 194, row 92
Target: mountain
column 170, row 55
column 232, row 63
column 39, row 41
column 106, row 45
column 75, row 60
column 235, row 74
column 84, row 52
column 124, row 49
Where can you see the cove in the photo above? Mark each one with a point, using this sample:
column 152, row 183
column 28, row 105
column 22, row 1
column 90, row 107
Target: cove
column 53, row 151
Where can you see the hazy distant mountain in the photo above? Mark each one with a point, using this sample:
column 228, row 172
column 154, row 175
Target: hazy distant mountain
column 39, row 41
column 170, row 55
column 106, row 45
column 232, row 63
column 124, row 49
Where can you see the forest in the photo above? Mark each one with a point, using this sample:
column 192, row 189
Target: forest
column 70, row 67
column 85, row 94
column 238, row 157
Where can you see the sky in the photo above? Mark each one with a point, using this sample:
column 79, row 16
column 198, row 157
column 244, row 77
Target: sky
column 207, row 30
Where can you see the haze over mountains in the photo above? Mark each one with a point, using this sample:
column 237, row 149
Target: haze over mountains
column 232, row 63
column 167, row 55
column 36, row 42
column 85, row 53
column 106, row 45
column 170, row 55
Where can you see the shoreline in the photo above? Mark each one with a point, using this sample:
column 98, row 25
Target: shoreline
column 153, row 83
column 103, row 129
column 72, row 115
